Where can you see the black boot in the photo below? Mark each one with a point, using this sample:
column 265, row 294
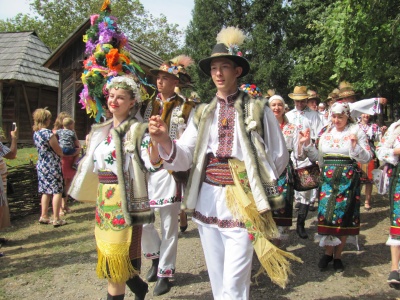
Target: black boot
column 301, row 219
column 136, row 284
column 162, row 286
column 152, row 274
column 117, row 297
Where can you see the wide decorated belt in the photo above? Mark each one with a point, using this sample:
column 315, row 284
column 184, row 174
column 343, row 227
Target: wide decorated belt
column 217, row 171
column 107, row 177
column 338, row 160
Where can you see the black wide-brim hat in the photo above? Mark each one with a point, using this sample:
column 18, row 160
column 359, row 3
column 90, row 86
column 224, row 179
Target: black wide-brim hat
column 221, row 51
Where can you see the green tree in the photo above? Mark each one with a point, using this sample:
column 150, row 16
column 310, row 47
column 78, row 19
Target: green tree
column 55, row 20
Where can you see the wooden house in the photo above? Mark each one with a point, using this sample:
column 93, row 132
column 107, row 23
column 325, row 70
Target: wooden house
column 67, row 61
column 24, row 83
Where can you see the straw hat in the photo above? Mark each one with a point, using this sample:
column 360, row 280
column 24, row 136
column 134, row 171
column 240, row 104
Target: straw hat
column 176, row 67
column 228, row 41
column 299, row 93
column 346, row 90
column 313, row 95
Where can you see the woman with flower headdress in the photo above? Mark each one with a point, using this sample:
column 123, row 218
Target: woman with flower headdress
column 340, row 147
column 165, row 188
column 113, row 160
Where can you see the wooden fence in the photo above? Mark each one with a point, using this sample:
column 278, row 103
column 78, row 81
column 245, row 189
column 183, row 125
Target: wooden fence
column 23, row 196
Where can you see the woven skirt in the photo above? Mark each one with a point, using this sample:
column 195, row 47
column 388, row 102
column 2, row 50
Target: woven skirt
column 117, row 243
column 339, row 199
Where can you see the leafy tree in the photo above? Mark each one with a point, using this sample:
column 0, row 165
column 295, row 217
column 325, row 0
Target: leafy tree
column 55, row 20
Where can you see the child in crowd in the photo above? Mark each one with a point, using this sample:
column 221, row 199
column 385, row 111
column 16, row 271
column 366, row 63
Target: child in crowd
column 67, row 138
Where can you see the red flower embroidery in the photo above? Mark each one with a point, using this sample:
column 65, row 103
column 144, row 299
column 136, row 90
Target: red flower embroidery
column 322, row 195
column 109, row 193
column 321, row 218
column 329, row 173
column 115, row 221
column 396, row 197
column 398, row 221
column 107, row 215
column 349, row 174
column 113, row 154
column 168, row 272
column 340, row 198
column 340, row 221
column 251, row 237
column 108, row 139
column 121, row 221
column 280, row 189
column 389, row 173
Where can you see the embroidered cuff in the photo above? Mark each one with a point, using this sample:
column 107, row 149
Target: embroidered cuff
column 168, row 158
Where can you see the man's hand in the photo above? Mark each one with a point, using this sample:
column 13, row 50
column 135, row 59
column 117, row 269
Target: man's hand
column 159, row 133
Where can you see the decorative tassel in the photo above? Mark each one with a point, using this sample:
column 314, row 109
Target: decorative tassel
column 113, row 262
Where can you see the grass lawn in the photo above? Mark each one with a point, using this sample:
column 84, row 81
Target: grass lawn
column 24, row 156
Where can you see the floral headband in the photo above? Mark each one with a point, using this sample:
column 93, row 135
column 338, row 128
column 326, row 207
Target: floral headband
column 251, row 89
column 125, row 83
column 341, row 108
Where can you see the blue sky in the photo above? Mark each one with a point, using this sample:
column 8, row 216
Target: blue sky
column 176, row 11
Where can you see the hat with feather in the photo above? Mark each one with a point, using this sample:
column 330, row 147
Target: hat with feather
column 228, row 41
column 176, row 67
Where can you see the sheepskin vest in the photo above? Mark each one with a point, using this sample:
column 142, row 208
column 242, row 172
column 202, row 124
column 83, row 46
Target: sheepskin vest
column 170, row 109
column 134, row 195
column 263, row 184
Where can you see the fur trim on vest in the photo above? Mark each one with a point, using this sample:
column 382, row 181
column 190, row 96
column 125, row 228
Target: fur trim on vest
column 85, row 183
column 262, row 182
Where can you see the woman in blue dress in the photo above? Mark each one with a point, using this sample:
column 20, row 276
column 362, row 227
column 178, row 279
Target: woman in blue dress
column 48, row 166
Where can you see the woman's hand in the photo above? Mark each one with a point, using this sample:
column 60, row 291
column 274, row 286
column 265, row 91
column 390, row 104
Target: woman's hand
column 353, row 140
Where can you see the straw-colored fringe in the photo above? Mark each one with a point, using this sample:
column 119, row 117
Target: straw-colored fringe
column 249, row 212
column 116, row 267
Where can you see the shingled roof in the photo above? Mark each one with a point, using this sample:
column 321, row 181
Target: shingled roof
column 22, row 56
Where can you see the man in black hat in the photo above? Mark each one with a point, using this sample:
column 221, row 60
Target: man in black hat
column 235, row 147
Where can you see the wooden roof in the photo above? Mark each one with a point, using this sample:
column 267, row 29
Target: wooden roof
column 22, row 56
column 141, row 54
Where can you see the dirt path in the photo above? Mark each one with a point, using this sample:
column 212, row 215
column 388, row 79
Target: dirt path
column 41, row 262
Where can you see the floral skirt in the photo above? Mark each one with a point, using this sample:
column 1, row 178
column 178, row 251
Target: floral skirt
column 339, row 199
column 394, row 197
column 283, row 216
column 117, row 243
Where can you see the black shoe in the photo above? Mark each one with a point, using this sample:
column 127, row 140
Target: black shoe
column 117, row 297
column 3, row 241
column 394, row 280
column 152, row 274
column 162, row 286
column 138, row 287
column 324, row 261
column 338, row 265
column 301, row 219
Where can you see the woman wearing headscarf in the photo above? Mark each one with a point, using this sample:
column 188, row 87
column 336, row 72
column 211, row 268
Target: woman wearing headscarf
column 340, row 147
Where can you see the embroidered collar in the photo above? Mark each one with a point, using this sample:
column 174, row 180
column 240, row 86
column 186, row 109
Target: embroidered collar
column 168, row 99
column 230, row 99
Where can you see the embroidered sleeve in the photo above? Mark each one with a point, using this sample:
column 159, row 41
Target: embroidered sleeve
column 362, row 151
column 385, row 153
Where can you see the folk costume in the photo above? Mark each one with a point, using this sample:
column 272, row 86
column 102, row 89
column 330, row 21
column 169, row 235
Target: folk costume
column 339, row 201
column 113, row 173
column 389, row 142
column 303, row 119
column 373, row 133
column 232, row 184
column 165, row 188
column 283, row 216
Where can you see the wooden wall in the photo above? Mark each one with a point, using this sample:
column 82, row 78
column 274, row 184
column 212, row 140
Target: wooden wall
column 20, row 101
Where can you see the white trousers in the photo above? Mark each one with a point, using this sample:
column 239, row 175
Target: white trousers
column 164, row 248
column 228, row 257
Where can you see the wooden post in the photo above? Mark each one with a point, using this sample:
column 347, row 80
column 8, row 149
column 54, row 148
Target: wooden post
column 28, row 107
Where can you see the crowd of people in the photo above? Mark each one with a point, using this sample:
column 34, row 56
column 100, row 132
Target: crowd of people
column 229, row 162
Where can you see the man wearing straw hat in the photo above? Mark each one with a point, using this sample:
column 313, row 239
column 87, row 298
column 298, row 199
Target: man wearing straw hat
column 237, row 152
column 303, row 117
column 165, row 188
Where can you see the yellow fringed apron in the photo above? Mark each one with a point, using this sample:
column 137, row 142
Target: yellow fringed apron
column 241, row 203
column 113, row 236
